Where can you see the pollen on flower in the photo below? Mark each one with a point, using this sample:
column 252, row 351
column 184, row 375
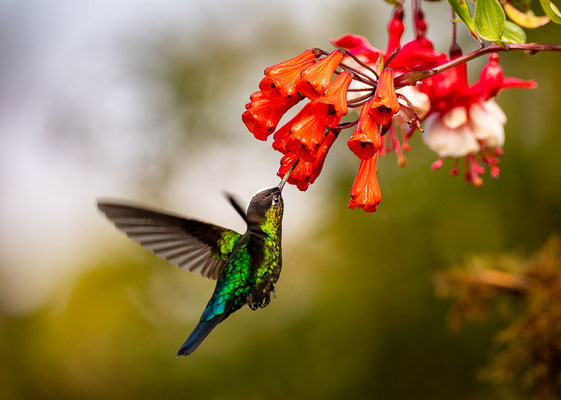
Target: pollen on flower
column 473, row 170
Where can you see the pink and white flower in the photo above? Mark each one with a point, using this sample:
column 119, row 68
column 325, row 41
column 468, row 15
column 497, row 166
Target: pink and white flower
column 464, row 122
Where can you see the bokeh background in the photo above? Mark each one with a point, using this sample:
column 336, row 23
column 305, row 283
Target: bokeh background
column 142, row 100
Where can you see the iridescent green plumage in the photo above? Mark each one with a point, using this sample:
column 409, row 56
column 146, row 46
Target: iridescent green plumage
column 254, row 266
column 225, row 245
column 246, row 266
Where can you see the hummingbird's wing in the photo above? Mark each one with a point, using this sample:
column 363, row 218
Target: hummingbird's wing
column 192, row 245
column 237, row 206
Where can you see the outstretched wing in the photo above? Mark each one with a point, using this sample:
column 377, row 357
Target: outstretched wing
column 192, row 245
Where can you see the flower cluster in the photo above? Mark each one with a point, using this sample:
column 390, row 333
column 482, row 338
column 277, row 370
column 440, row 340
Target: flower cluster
column 461, row 121
column 464, row 122
column 304, row 136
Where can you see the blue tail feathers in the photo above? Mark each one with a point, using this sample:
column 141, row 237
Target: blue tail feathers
column 199, row 334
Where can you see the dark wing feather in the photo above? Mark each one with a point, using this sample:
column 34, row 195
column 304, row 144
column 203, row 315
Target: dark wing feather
column 190, row 244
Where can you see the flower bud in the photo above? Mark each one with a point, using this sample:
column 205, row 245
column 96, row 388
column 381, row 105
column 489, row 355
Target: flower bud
column 491, row 77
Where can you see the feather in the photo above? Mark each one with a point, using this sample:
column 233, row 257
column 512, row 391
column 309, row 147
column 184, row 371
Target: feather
column 192, row 245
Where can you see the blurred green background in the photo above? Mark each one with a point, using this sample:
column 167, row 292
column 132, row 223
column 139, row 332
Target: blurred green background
column 143, row 101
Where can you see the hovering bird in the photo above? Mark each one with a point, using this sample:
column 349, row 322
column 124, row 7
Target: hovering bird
column 246, row 266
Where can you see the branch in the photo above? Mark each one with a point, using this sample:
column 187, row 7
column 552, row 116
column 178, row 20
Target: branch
column 410, row 78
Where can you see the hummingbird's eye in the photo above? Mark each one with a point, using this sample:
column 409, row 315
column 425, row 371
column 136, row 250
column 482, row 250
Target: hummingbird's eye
column 276, row 200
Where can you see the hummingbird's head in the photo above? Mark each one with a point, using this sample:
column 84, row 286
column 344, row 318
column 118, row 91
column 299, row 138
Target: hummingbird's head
column 266, row 203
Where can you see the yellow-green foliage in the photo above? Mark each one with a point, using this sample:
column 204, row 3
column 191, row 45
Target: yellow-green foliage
column 527, row 354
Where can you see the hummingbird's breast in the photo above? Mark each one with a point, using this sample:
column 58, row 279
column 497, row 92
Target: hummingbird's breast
column 266, row 274
column 268, row 266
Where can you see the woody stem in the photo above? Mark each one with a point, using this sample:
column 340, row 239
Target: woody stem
column 453, row 18
column 410, row 78
column 359, row 61
column 343, row 126
column 357, row 75
column 361, row 98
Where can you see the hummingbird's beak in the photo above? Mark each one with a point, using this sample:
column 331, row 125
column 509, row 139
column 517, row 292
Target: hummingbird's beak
column 283, row 181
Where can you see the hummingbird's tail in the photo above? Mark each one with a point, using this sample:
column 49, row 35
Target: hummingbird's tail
column 199, row 334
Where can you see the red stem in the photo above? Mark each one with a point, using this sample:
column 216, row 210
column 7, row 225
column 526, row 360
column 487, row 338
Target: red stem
column 453, row 20
column 415, row 12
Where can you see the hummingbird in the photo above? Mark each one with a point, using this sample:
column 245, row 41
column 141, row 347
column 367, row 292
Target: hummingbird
column 246, row 266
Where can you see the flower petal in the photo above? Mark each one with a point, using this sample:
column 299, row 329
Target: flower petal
column 384, row 104
column 316, row 77
column 365, row 192
column 448, row 142
column 487, row 120
column 455, row 118
column 419, row 100
column 510, row 82
column 359, row 46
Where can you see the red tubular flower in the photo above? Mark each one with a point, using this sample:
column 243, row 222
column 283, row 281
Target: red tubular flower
column 420, row 24
column 384, row 104
column 306, row 135
column 308, row 55
column 281, row 79
column 316, row 77
column 366, row 140
column 305, row 172
column 333, row 104
column 365, row 192
column 285, row 164
column 263, row 115
column 491, row 77
column 281, row 136
column 416, row 54
column 448, row 88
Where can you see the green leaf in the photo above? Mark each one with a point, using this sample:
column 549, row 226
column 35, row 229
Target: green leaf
column 489, row 19
column 513, row 33
column 551, row 11
column 525, row 20
column 392, row 2
column 461, row 8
